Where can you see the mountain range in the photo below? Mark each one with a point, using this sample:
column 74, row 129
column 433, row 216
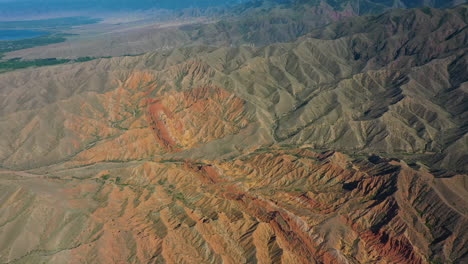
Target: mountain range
column 287, row 133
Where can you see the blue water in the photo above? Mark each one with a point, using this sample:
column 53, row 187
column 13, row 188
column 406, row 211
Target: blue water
column 12, row 34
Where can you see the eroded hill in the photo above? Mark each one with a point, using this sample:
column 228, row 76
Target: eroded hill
column 346, row 146
column 391, row 84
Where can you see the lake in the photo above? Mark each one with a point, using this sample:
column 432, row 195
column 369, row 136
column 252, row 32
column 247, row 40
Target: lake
column 12, row 34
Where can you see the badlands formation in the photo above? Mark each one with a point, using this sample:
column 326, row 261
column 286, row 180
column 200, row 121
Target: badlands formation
column 343, row 144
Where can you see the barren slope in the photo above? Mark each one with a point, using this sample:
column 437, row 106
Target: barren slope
column 246, row 155
column 271, row 206
column 375, row 87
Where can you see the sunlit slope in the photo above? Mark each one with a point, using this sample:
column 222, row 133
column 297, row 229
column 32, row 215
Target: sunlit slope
column 393, row 84
column 245, row 155
column 271, row 206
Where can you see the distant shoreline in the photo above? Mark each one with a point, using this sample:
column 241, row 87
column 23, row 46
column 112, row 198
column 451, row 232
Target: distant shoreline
column 16, row 34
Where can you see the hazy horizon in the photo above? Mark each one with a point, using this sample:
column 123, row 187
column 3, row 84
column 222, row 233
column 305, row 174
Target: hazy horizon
column 22, row 9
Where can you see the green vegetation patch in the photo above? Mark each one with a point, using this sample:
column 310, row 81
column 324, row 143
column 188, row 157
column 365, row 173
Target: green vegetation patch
column 17, row 63
column 105, row 177
column 18, row 44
